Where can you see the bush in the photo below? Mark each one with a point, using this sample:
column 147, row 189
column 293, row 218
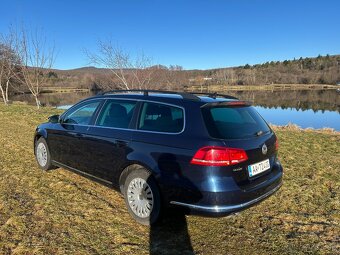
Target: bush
column 304, row 80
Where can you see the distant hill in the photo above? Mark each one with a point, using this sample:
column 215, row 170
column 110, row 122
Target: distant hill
column 316, row 70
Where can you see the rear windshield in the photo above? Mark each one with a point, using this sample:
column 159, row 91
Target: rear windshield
column 233, row 122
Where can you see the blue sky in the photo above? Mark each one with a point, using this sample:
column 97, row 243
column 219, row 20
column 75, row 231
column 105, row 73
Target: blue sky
column 195, row 34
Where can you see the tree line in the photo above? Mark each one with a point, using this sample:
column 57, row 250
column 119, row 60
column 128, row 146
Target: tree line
column 318, row 70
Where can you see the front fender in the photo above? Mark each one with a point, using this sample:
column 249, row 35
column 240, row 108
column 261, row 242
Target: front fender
column 39, row 132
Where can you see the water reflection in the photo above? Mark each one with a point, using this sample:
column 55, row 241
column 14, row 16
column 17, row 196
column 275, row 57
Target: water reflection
column 302, row 118
column 306, row 108
column 299, row 99
column 54, row 99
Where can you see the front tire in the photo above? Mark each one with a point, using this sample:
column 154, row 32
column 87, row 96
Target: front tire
column 142, row 197
column 42, row 155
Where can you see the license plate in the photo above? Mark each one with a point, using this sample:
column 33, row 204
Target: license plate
column 258, row 167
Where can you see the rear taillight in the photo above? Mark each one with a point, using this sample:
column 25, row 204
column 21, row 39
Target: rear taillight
column 219, row 156
column 277, row 144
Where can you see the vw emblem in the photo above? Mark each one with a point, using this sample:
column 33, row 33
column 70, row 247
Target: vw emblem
column 264, row 149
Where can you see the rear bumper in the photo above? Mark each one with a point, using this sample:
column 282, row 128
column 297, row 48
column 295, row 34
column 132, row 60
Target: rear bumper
column 224, row 210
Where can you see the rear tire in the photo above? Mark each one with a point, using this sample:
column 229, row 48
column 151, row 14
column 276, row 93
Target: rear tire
column 142, row 197
column 42, row 155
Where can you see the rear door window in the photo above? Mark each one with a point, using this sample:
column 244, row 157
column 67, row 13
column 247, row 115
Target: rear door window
column 161, row 118
column 233, row 122
column 116, row 113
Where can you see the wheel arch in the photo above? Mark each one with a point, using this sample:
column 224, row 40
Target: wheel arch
column 38, row 134
column 128, row 169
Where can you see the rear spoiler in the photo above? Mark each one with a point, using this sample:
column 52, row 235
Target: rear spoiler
column 227, row 104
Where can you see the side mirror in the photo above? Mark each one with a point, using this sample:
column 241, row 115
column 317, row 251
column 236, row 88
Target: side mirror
column 54, row 119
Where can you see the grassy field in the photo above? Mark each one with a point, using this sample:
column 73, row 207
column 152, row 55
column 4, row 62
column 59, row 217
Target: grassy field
column 59, row 212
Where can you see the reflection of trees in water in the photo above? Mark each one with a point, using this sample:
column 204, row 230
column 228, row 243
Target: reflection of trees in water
column 299, row 99
column 55, row 99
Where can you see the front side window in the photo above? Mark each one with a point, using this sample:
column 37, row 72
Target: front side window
column 161, row 118
column 116, row 113
column 81, row 115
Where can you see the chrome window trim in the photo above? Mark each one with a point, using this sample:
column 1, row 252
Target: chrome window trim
column 129, row 129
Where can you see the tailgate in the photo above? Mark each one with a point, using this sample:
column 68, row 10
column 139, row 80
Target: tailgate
column 256, row 154
column 240, row 126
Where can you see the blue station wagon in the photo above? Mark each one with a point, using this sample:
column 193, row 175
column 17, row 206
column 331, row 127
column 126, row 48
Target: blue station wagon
column 208, row 154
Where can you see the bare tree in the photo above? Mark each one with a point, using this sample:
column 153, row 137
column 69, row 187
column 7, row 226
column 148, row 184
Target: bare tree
column 173, row 76
column 142, row 72
column 8, row 62
column 221, row 76
column 126, row 72
column 36, row 60
column 226, row 76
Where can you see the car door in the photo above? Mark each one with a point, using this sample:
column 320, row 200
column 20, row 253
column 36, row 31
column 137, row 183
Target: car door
column 68, row 141
column 109, row 139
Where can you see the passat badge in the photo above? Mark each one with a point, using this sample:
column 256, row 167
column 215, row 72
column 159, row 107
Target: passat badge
column 264, row 149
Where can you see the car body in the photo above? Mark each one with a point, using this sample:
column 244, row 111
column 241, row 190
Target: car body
column 196, row 159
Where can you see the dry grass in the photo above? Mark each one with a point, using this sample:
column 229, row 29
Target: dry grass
column 59, row 212
column 271, row 87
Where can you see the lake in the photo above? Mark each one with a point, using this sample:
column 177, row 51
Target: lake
column 305, row 108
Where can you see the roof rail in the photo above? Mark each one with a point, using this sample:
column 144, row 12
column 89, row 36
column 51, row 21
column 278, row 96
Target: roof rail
column 185, row 95
column 214, row 95
column 188, row 96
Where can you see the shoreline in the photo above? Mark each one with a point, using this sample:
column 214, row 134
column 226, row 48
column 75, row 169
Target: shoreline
column 287, row 127
column 294, row 127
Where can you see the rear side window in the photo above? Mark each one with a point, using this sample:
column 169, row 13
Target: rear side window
column 161, row 118
column 116, row 114
column 233, row 122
